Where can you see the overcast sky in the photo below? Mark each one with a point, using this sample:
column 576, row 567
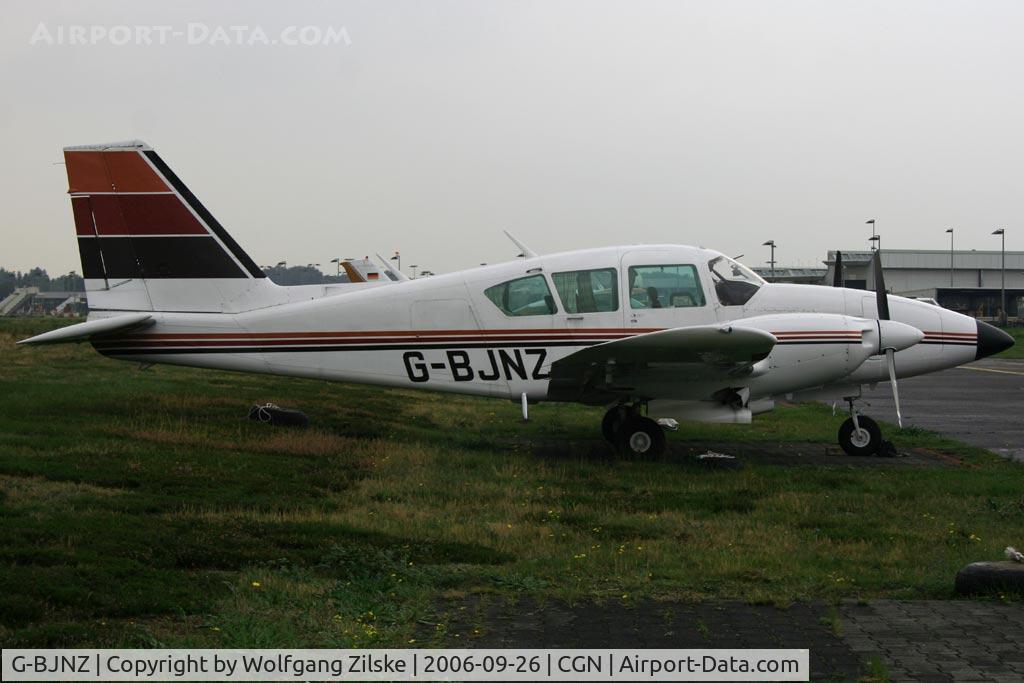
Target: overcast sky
column 571, row 124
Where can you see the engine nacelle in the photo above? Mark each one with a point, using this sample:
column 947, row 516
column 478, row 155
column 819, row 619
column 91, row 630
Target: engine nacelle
column 699, row 411
column 816, row 349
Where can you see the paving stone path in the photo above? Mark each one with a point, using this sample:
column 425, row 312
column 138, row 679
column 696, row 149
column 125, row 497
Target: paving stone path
column 929, row 640
column 939, row 640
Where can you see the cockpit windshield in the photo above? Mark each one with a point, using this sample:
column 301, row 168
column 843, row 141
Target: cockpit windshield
column 735, row 284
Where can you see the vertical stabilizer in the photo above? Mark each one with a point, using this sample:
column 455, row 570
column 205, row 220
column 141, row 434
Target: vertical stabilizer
column 146, row 242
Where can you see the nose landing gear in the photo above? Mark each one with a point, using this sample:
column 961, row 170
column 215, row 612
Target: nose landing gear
column 633, row 434
column 859, row 434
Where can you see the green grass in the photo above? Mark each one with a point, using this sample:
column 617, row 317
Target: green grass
column 1017, row 350
column 142, row 508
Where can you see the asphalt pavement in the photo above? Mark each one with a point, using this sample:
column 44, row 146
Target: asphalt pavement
column 981, row 404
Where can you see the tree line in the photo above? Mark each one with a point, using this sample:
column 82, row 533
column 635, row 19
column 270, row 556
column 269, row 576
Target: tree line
column 38, row 277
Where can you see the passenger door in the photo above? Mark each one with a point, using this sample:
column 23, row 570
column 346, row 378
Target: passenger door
column 659, row 293
column 589, row 300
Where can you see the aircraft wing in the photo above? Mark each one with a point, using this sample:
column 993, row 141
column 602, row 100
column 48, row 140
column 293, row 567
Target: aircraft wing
column 602, row 373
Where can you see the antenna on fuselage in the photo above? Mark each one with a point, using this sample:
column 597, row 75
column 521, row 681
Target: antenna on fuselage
column 527, row 252
column 395, row 273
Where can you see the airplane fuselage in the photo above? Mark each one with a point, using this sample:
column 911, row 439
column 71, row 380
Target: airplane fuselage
column 448, row 333
column 651, row 331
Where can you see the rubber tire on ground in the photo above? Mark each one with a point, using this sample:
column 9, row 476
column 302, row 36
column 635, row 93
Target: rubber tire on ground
column 610, row 424
column 874, row 436
column 279, row 417
column 980, row 578
column 640, row 437
column 719, row 463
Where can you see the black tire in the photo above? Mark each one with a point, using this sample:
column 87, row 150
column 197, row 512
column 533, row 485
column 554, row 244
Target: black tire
column 281, row 417
column 865, row 442
column 980, row 578
column 610, row 423
column 640, row 437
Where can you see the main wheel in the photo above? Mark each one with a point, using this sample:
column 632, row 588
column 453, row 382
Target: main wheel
column 611, row 422
column 640, row 437
column 863, row 441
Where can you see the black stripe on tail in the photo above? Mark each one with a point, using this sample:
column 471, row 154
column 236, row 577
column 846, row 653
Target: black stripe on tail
column 207, row 218
column 192, row 256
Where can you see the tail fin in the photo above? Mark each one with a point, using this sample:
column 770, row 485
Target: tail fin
column 146, row 242
column 353, row 274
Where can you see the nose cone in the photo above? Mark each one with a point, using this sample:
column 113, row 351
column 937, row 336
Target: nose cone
column 991, row 340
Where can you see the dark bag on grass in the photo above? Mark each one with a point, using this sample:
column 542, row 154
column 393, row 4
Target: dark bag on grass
column 275, row 415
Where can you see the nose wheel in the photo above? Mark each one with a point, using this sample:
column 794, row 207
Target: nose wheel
column 859, row 434
column 632, row 434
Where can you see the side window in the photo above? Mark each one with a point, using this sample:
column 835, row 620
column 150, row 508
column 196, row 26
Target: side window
column 588, row 291
column 525, row 296
column 675, row 286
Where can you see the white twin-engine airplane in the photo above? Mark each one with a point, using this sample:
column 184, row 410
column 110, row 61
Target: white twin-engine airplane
column 650, row 331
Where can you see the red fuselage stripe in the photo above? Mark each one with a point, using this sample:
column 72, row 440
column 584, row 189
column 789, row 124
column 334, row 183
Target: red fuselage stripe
column 582, row 332
column 583, row 335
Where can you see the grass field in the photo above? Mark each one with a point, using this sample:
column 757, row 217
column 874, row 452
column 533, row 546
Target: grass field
column 1017, row 350
column 141, row 508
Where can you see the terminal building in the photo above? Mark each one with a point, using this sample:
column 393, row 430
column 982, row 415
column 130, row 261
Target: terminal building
column 800, row 276
column 32, row 301
column 968, row 282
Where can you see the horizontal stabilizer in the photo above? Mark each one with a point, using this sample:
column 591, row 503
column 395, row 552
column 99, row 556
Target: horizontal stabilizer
column 92, row 328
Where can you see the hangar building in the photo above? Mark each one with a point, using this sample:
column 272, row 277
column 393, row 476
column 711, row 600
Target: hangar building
column 964, row 281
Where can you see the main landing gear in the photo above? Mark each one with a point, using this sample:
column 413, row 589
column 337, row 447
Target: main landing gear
column 633, row 434
column 859, row 434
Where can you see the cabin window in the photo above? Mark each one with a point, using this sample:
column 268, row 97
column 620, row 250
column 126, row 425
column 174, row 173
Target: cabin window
column 524, row 296
column 588, row 291
column 735, row 284
column 673, row 286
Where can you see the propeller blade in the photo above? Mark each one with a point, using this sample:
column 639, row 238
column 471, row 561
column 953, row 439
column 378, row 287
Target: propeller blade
column 890, row 359
column 837, row 276
column 881, row 297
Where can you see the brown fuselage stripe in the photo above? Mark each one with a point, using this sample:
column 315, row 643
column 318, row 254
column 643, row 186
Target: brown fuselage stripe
column 583, row 332
column 373, row 340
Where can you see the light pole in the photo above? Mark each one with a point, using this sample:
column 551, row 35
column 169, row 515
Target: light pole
column 1002, row 233
column 414, row 267
column 950, row 231
column 876, row 242
column 338, row 262
column 771, row 243
column 397, row 257
column 874, row 237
